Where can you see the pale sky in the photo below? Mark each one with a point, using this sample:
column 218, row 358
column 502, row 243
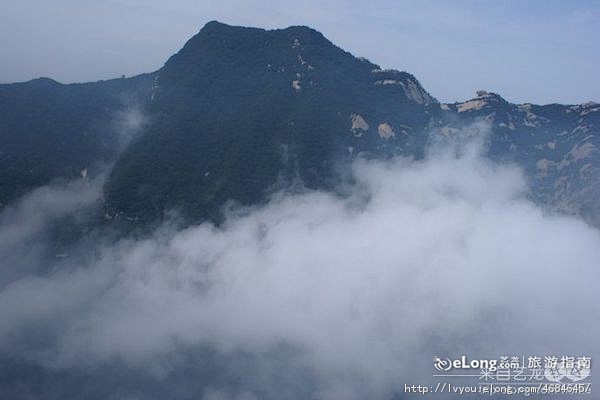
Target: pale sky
column 526, row 50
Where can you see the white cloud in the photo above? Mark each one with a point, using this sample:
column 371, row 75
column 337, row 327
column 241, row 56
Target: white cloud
column 444, row 255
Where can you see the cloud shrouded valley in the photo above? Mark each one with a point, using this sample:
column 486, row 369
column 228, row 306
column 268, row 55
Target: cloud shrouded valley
column 357, row 293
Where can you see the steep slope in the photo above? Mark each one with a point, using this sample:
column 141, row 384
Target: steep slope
column 239, row 109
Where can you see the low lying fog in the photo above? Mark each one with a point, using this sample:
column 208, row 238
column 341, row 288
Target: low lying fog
column 439, row 257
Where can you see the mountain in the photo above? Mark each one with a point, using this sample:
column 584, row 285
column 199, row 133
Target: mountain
column 556, row 144
column 239, row 112
column 49, row 130
column 239, row 109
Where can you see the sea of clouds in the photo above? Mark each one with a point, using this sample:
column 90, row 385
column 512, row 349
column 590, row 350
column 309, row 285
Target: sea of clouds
column 346, row 296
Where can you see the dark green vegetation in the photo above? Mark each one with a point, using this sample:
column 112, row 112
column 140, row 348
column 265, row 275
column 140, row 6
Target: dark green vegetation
column 239, row 112
column 239, row 108
column 49, row 130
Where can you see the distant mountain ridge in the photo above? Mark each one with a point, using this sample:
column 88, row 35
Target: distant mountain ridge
column 239, row 111
column 556, row 144
column 49, row 130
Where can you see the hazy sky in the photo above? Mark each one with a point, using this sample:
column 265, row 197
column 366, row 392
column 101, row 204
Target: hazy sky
column 525, row 50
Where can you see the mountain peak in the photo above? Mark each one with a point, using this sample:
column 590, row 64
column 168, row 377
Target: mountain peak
column 483, row 100
column 218, row 39
column 216, row 27
column 234, row 94
column 221, row 33
column 214, row 24
column 484, row 94
column 43, row 82
column 270, row 57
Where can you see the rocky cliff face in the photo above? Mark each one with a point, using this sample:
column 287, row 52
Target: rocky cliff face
column 556, row 144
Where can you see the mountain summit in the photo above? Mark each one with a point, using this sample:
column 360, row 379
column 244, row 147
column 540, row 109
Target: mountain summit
column 239, row 109
column 239, row 112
